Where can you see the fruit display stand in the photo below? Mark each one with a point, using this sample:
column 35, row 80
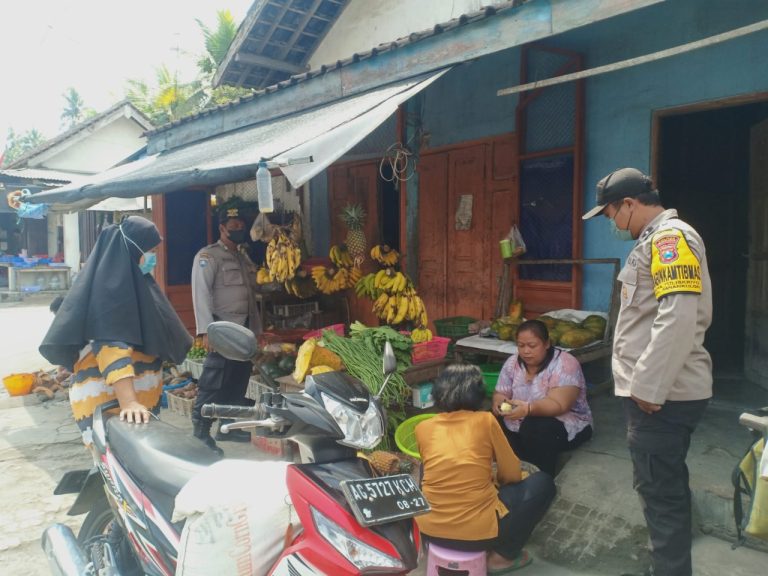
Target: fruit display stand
column 494, row 348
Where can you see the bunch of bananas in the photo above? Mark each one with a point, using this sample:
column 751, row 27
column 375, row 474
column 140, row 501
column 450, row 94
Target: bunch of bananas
column 364, row 288
column 421, row 334
column 262, row 276
column 283, row 257
column 341, row 257
column 387, row 280
column 385, row 255
column 301, row 285
column 397, row 308
column 330, row 280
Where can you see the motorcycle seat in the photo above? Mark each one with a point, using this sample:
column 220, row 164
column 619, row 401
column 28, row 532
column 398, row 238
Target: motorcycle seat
column 158, row 455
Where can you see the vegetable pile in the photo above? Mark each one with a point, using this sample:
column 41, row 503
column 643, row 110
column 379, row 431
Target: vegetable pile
column 362, row 355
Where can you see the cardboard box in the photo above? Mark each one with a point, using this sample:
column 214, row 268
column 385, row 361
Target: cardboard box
column 422, row 395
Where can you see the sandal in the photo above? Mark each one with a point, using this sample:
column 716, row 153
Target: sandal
column 521, row 561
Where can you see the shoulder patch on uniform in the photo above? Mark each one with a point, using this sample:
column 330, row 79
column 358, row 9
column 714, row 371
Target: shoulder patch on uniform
column 675, row 269
column 202, row 260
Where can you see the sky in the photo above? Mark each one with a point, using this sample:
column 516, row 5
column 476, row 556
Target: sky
column 94, row 46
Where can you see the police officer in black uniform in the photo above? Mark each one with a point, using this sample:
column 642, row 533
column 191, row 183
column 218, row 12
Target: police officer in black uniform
column 223, row 279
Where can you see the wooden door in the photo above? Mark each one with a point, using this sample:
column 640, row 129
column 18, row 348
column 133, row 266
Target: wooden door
column 459, row 269
column 467, row 273
column 432, row 226
column 756, row 353
column 356, row 184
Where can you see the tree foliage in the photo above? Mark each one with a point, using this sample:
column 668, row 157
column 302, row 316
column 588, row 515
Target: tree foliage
column 167, row 99
column 16, row 145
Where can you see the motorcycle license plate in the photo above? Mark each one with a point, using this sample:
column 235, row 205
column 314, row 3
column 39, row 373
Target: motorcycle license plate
column 384, row 499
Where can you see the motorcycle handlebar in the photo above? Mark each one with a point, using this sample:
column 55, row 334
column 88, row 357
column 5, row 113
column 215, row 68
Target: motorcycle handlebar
column 257, row 412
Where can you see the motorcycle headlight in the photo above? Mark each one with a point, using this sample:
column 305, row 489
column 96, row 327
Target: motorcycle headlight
column 360, row 430
column 359, row 553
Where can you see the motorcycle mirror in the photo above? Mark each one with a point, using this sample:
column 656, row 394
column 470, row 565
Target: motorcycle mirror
column 232, row 341
column 390, row 366
column 390, row 362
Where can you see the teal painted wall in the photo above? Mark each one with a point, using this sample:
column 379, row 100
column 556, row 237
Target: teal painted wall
column 620, row 105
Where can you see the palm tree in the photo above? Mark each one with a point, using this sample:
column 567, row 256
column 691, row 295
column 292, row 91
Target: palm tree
column 169, row 100
column 217, row 42
column 74, row 108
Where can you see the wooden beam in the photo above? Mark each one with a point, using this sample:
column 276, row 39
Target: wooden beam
column 637, row 61
column 270, row 63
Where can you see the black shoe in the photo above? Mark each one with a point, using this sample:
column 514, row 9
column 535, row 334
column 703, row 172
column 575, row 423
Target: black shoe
column 211, row 443
column 233, row 436
column 202, row 431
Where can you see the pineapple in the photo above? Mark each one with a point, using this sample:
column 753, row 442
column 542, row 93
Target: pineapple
column 353, row 216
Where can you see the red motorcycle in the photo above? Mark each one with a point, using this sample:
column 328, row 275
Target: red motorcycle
column 351, row 520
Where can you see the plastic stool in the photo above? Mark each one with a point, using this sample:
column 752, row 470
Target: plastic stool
column 446, row 562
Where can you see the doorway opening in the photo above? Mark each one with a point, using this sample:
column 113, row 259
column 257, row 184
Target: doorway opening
column 706, row 169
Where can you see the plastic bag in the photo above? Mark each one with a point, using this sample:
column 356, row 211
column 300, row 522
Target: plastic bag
column 512, row 245
column 262, row 229
column 518, row 244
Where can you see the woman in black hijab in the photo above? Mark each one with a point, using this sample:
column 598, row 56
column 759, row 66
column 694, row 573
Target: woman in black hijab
column 115, row 327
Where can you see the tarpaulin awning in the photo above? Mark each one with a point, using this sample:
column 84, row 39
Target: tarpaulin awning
column 122, row 204
column 325, row 133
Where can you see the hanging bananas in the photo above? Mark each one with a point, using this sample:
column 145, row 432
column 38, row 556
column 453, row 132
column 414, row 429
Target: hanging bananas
column 395, row 298
column 262, row 276
column 330, row 280
column 385, row 255
column 364, row 287
column 341, row 257
column 283, row 257
column 301, row 285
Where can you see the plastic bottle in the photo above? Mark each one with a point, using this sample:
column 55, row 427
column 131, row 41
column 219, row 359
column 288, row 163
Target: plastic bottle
column 264, row 187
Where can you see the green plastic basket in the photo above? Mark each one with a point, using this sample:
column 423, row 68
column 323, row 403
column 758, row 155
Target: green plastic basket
column 405, row 436
column 454, row 327
column 490, row 376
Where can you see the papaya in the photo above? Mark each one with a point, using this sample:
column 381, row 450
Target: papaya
column 595, row 324
column 507, row 332
column 576, row 338
column 548, row 321
column 515, row 310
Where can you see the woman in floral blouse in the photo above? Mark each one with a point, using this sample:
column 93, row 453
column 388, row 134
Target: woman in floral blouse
column 545, row 387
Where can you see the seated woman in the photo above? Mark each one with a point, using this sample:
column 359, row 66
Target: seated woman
column 546, row 389
column 458, row 448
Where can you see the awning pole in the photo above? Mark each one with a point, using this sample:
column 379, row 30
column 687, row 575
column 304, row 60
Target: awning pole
column 691, row 46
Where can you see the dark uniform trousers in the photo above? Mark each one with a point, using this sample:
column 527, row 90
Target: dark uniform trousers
column 223, row 381
column 658, row 445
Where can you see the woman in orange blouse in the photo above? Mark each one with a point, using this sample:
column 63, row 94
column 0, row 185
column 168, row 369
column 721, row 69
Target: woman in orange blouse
column 458, row 449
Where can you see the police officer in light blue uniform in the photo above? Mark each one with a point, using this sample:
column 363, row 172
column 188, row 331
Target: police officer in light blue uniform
column 223, row 280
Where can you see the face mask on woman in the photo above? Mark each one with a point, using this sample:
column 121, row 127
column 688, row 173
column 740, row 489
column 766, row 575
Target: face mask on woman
column 149, row 261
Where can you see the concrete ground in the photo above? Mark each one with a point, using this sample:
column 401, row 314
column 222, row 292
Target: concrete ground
column 595, row 526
